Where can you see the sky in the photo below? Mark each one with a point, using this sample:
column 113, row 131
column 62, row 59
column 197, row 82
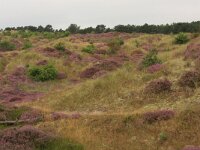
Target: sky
column 85, row 13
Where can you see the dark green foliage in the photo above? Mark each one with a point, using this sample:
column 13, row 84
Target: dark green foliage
column 87, row 30
column 48, row 28
column 181, row 38
column 73, row 28
column 60, row 144
column 115, row 45
column 100, row 29
column 151, row 59
column 42, row 73
column 193, row 27
column 27, row 45
column 60, row 46
column 7, row 46
column 89, row 49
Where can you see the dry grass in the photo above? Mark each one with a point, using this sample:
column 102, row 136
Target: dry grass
column 112, row 105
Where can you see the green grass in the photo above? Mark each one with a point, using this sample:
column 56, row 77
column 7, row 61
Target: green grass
column 14, row 114
column 61, row 144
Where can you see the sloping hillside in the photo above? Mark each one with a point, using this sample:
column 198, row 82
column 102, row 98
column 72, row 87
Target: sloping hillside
column 111, row 91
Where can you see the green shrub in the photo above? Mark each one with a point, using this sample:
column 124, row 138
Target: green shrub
column 181, row 38
column 162, row 136
column 25, row 34
column 151, row 59
column 7, row 46
column 115, row 45
column 62, row 34
column 27, row 45
column 89, row 49
column 137, row 44
column 42, row 73
column 60, row 46
column 49, row 35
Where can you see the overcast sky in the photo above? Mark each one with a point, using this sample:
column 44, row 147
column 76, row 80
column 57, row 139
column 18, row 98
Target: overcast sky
column 61, row 13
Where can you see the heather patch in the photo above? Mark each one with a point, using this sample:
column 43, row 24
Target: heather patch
column 190, row 79
column 159, row 115
column 158, row 86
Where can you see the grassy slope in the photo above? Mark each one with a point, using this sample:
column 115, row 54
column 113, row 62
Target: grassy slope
column 112, row 105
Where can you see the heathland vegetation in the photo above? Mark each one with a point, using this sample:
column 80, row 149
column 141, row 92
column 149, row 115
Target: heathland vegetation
column 126, row 88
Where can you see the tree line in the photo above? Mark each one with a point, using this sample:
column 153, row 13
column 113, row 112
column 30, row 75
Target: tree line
column 146, row 28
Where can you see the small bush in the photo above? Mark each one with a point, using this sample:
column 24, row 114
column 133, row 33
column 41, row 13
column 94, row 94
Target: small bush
column 25, row 34
column 7, row 46
column 181, row 38
column 190, row 79
column 115, row 45
column 162, row 136
column 158, row 86
column 62, row 34
column 151, row 59
column 159, row 115
column 49, row 35
column 89, row 49
column 60, row 46
column 27, row 45
column 137, row 44
column 42, row 73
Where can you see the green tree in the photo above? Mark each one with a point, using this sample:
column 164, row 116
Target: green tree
column 100, row 28
column 73, row 28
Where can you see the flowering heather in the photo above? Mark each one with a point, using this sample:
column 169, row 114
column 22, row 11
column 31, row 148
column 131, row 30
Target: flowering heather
column 155, row 68
column 89, row 73
column 151, row 117
column 158, row 86
column 190, row 79
column 24, row 138
column 61, row 75
column 192, row 51
column 191, row 148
